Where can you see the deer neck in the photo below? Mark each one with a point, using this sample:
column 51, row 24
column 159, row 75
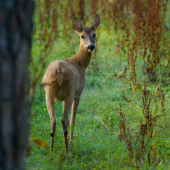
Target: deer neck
column 82, row 57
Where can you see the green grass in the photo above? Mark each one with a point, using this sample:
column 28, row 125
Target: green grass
column 96, row 144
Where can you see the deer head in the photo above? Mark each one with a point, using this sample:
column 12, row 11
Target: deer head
column 87, row 35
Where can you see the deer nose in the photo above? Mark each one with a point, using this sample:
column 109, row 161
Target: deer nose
column 91, row 47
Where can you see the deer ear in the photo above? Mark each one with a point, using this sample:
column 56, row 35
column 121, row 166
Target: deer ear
column 95, row 22
column 77, row 25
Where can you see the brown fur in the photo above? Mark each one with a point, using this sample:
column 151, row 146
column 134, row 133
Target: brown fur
column 64, row 80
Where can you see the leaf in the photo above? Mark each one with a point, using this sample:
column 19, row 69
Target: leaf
column 39, row 142
column 120, row 125
column 116, row 51
column 114, row 75
column 121, row 137
column 123, row 75
column 126, row 81
column 138, row 87
column 125, row 99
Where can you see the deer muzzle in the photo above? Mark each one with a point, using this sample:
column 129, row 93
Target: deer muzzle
column 90, row 47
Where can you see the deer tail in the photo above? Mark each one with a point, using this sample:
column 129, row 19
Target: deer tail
column 59, row 78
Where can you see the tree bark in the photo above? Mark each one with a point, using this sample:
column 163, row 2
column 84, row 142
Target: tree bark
column 15, row 45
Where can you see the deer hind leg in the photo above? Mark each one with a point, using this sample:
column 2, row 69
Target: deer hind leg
column 65, row 121
column 73, row 116
column 50, row 108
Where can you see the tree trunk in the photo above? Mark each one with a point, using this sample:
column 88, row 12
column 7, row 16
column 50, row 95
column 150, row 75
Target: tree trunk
column 15, row 44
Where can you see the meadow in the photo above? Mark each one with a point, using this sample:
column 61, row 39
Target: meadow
column 123, row 116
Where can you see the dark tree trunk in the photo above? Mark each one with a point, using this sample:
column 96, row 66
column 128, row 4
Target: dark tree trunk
column 15, row 44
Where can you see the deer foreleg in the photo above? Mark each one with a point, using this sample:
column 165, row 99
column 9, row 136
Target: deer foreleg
column 73, row 116
column 50, row 108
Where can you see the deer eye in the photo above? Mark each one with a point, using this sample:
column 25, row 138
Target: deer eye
column 94, row 35
column 82, row 36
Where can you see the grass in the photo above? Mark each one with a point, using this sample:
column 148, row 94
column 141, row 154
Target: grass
column 96, row 144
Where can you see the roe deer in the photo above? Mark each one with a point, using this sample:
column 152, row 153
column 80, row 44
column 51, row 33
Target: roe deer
column 64, row 80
